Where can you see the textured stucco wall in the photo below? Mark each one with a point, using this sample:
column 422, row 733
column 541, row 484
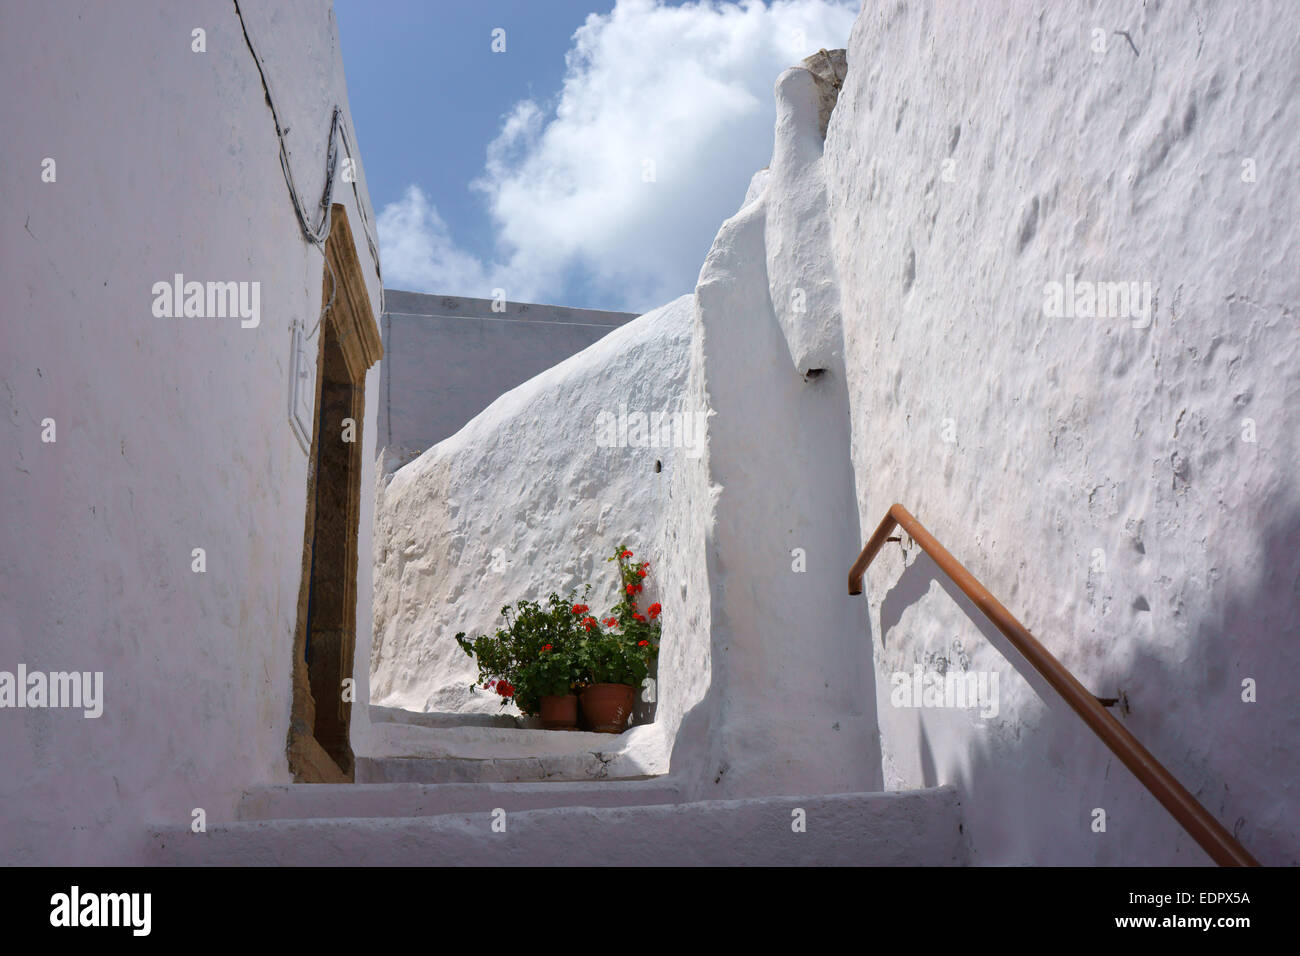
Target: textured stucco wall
column 172, row 433
column 1093, row 474
column 449, row 357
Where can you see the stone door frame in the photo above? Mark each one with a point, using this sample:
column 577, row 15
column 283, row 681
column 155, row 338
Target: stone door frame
column 350, row 324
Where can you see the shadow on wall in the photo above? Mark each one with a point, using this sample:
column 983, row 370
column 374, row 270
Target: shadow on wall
column 1237, row 758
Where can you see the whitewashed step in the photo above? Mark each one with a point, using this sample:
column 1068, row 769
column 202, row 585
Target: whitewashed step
column 412, row 751
column 332, row 800
column 396, row 715
column 573, row 767
column 912, row 828
column 487, row 743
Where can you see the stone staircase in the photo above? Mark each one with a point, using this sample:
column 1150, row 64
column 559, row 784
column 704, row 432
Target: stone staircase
column 431, row 795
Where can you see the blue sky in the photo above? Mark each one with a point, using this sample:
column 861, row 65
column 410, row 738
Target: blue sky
column 589, row 164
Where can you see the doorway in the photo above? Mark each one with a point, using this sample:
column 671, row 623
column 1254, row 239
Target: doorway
column 320, row 748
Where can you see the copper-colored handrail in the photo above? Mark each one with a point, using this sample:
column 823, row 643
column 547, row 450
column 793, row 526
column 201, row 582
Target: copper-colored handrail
column 1222, row 847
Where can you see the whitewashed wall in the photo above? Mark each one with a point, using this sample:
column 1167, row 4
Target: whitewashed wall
column 172, row 434
column 791, row 704
column 1097, row 478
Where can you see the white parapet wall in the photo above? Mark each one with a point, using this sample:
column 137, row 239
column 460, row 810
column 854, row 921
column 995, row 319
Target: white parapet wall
column 1124, row 480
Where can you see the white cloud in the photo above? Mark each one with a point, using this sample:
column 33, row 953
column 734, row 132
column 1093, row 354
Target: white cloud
column 417, row 251
column 688, row 89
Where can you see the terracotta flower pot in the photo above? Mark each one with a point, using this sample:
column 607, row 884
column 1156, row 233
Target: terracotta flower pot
column 606, row 707
column 560, row 713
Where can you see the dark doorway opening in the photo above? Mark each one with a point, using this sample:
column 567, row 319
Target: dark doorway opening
column 331, row 601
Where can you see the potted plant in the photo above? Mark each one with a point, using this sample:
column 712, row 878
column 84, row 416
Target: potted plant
column 615, row 653
column 533, row 660
column 554, row 659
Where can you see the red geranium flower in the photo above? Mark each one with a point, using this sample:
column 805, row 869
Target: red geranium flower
column 547, row 647
column 589, row 622
column 611, row 621
column 505, row 690
column 580, row 609
column 626, row 554
column 642, row 573
column 642, row 643
column 655, row 609
column 639, row 617
column 631, row 589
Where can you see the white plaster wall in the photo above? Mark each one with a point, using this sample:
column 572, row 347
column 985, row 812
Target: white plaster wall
column 521, row 501
column 804, row 288
column 171, row 433
column 684, row 709
column 1071, row 435
column 790, row 706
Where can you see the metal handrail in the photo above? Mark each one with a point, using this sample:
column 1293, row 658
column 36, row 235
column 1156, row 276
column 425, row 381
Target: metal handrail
column 1212, row 836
